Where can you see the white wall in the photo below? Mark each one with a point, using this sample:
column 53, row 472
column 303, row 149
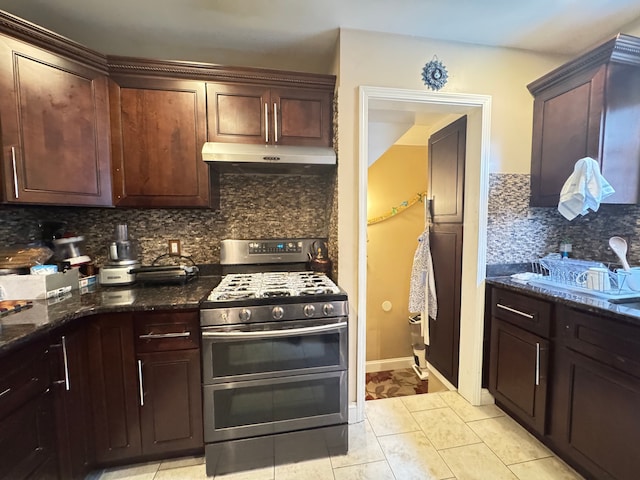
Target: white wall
column 372, row 59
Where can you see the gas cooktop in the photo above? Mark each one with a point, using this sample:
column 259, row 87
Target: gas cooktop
column 246, row 286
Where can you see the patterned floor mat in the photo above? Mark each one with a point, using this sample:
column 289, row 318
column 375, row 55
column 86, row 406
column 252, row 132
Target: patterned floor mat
column 394, row 383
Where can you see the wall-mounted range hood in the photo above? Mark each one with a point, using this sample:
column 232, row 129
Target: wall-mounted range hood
column 243, row 158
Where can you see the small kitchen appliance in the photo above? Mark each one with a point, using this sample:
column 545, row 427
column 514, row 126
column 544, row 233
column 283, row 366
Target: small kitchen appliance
column 68, row 249
column 122, row 259
column 178, row 272
column 274, row 357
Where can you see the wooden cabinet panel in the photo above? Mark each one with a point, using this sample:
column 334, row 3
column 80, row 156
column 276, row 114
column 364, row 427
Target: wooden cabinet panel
column 27, row 444
column 146, row 402
column 55, row 128
column 238, row 113
column 27, row 427
column 171, row 417
column 302, row 117
column 158, row 131
column 72, row 402
column 256, row 114
column 528, row 313
column 588, row 107
column 444, row 332
column 167, row 331
column 518, row 372
column 566, row 128
column 594, row 420
column 114, row 388
column 447, row 154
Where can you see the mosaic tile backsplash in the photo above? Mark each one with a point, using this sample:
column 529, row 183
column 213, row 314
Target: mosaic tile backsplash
column 519, row 233
column 251, row 206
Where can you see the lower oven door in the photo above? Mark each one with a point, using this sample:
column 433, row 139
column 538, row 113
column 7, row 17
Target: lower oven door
column 274, row 349
column 260, row 407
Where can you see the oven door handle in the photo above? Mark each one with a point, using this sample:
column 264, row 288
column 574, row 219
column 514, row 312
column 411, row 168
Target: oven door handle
column 275, row 333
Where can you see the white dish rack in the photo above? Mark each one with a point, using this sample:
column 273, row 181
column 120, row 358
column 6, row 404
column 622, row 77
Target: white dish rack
column 559, row 272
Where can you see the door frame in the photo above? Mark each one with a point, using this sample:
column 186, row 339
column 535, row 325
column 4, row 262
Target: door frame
column 476, row 194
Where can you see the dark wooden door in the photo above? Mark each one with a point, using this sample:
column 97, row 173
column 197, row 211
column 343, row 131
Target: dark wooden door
column 239, row 113
column 171, row 417
column 444, row 332
column 72, row 403
column 159, row 127
column 447, row 153
column 302, row 117
column 55, row 128
column 567, row 119
column 114, row 388
column 518, row 372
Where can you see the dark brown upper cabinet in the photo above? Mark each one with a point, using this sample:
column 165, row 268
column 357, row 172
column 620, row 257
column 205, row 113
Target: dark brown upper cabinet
column 589, row 106
column 54, row 120
column 259, row 114
column 158, row 128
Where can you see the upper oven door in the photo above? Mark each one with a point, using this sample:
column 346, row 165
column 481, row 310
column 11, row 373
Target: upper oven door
column 273, row 349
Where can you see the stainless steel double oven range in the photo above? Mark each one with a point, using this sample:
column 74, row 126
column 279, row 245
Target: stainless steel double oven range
column 274, row 358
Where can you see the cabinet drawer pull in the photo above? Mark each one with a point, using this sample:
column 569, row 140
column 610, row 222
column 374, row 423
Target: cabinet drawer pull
column 266, row 123
column 65, row 359
column 15, row 172
column 152, row 336
column 537, row 364
column 141, row 388
column 513, row 310
column 2, row 394
column 275, row 123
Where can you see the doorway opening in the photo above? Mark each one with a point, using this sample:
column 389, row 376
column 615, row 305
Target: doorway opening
column 374, row 100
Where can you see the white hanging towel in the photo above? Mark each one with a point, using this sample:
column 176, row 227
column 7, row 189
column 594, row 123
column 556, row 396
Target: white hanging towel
column 422, row 288
column 584, row 189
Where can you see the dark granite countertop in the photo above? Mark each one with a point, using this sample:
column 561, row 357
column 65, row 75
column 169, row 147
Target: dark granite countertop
column 19, row 328
column 585, row 302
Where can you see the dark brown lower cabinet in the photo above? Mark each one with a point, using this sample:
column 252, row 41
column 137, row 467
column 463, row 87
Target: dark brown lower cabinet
column 147, row 398
column 596, row 394
column 27, row 424
column 518, row 373
column 114, row 388
column 72, row 402
column 171, row 414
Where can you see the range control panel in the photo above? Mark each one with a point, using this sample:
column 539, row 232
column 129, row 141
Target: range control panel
column 271, row 246
column 273, row 250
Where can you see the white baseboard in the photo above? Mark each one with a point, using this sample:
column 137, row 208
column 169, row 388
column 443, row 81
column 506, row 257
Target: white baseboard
column 445, row 382
column 352, row 413
column 388, row 364
column 486, row 398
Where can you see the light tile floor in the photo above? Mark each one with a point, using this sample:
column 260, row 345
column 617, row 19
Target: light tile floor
column 422, row 437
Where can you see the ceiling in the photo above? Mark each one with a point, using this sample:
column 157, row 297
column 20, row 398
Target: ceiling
column 301, row 35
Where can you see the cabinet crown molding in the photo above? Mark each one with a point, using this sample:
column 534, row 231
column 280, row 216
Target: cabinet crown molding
column 119, row 65
column 38, row 36
column 46, row 39
column 622, row 48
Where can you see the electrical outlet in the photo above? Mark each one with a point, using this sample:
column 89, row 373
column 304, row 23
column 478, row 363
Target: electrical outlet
column 174, row 247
